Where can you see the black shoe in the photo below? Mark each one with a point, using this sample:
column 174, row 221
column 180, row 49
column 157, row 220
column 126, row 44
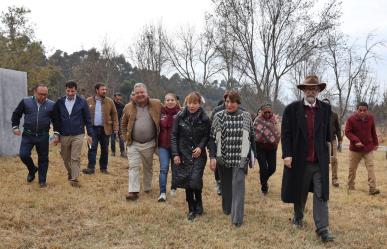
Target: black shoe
column 42, row 185
column 237, row 225
column 325, row 235
column 113, row 154
column 264, row 188
column 199, row 208
column 226, row 212
column 297, row 223
column 31, row 175
column 104, row 171
column 191, row 216
column 123, row 154
column 218, row 188
column 88, row 171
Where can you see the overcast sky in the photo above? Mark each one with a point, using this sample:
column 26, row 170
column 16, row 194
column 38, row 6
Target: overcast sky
column 73, row 25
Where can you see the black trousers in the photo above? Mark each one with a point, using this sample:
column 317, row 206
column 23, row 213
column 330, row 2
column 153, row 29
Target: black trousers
column 193, row 197
column 267, row 160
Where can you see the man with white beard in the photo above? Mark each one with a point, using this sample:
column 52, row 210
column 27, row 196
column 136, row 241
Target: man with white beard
column 305, row 137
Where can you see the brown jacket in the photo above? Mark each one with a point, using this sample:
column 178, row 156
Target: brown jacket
column 109, row 112
column 129, row 117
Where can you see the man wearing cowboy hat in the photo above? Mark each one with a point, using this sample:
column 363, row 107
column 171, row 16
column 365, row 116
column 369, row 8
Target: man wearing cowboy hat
column 305, row 136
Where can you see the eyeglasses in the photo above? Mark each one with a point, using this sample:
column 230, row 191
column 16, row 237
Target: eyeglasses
column 267, row 112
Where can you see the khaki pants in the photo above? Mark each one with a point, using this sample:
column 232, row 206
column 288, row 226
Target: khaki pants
column 71, row 148
column 140, row 153
column 354, row 160
column 334, row 162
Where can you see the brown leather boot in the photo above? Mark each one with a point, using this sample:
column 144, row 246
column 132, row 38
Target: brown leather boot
column 132, row 196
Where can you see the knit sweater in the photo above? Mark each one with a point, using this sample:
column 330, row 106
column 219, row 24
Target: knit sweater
column 231, row 138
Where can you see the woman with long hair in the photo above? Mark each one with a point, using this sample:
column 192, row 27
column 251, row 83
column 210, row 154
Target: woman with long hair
column 168, row 114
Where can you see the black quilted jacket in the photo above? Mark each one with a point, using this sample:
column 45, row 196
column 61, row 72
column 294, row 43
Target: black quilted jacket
column 190, row 131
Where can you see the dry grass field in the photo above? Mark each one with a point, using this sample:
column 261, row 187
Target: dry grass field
column 98, row 216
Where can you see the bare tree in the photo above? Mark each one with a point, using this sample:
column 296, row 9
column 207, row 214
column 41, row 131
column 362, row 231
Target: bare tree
column 292, row 35
column 109, row 74
column 347, row 65
column 273, row 36
column 193, row 56
column 226, row 45
column 366, row 88
column 149, row 55
column 239, row 16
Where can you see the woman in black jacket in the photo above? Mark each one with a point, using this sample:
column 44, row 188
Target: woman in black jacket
column 190, row 135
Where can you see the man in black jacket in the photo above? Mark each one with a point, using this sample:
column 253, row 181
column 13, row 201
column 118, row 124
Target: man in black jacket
column 38, row 111
column 305, row 136
column 119, row 107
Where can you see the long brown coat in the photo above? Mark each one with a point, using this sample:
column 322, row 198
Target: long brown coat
column 109, row 112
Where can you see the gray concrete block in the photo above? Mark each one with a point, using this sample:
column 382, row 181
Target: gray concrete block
column 13, row 87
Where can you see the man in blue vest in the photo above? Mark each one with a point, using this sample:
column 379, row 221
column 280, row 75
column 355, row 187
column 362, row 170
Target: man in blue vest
column 38, row 111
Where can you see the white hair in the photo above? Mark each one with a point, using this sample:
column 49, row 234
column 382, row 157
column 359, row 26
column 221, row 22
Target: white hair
column 137, row 85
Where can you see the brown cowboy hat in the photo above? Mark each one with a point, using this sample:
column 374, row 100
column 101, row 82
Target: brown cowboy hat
column 312, row 80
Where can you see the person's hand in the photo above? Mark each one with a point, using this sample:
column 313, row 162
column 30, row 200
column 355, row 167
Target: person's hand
column 359, row 145
column 56, row 140
column 176, row 160
column 89, row 141
column 288, row 161
column 213, row 164
column 252, row 163
column 16, row 132
column 196, row 152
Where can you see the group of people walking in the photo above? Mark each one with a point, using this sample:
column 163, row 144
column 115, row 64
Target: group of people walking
column 181, row 136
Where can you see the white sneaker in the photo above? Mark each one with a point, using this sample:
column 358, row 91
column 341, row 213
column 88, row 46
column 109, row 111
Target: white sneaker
column 162, row 197
column 173, row 192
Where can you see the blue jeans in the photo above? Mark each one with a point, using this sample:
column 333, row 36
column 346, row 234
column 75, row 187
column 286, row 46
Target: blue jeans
column 165, row 156
column 41, row 144
column 103, row 139
column 113, row 143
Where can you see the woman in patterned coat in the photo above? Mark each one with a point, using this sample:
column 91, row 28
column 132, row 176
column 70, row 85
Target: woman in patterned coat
column 231, row 144
column 267, row 137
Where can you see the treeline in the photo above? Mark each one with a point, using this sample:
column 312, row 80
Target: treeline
column 263, row 48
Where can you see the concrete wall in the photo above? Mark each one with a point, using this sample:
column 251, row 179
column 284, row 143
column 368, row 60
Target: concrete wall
column 13, row 87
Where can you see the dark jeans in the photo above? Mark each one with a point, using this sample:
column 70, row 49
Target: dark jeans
column 313, row 177
column 267, row 160
column 103, row 139
column 113, row 143
column 41, row 145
